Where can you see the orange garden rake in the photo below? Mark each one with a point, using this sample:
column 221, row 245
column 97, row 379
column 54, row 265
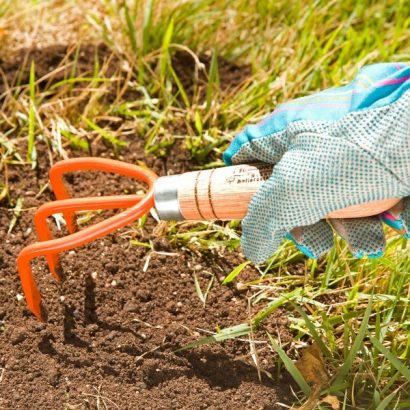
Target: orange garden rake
column 200, row 195
column 136, row 205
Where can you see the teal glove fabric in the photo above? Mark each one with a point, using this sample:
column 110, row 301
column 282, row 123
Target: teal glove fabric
column 338, row 148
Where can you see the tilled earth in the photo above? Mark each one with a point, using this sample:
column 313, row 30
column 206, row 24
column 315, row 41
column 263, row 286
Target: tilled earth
column 117, row 320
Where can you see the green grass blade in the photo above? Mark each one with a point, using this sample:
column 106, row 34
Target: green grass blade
column 396, row 363
column 209, row 287
column 4, row 191
column 73, row 71
column 31, row 150
column 147, row 27
column 104, row 134
column 139, row 243
column 131, row 29
column 290, row 367
column 357, row 344
column 16, row 214
column 180, row 87
column 312, row 330
column 232, row 275
column 213, row 81
column 75, row 142
column 225, row 334
column 166, row 41
column 96, row 66
column 198, row 289
column 275, row 304
column 198, row 122
column 383, row 405
column 74, row 80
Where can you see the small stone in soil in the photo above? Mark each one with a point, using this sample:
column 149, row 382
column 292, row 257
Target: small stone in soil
column 54, row 377
column 27, row 233
column 131, row 307
column 18, row 335
column 112, row 267
column 110, row 336
column 143, row 295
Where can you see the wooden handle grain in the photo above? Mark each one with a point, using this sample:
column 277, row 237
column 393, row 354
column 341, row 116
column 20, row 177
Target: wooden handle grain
column 225, row 193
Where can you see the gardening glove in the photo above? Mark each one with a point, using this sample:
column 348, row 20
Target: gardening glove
column 341, row 147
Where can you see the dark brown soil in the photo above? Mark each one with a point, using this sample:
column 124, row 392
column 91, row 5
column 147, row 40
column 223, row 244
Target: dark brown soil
column 57, row 59
column 114, row 327
column 230, row 74
column 58, row 62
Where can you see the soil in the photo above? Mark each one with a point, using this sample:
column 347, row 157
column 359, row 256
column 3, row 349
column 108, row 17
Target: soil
column 117, row 321
column 231, row 75
column 57, row 59
column 57, row 62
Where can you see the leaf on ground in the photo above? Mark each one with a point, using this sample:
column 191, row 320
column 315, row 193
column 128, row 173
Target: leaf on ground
column 332, row 401
column 312, row 366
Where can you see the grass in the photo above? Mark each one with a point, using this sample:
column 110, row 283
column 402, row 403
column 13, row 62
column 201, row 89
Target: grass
column 356, row 310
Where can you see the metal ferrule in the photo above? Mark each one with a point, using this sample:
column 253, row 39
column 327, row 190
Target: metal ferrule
column 166, row 198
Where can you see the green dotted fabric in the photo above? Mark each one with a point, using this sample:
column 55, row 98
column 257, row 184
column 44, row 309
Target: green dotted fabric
column 406, row 214
column 323, row 167
column 313, row 240
column 365, row 236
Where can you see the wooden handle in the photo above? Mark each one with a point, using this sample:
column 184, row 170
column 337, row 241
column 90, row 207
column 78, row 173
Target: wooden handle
column 225, row 193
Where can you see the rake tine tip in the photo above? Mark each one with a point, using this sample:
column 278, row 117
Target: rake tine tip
column 43, row 313
column 39, row 311
column 58, row 272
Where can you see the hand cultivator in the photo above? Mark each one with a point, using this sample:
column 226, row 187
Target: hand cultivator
column 222, row 193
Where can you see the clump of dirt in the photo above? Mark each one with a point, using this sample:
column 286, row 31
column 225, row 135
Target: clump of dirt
column 117, row 321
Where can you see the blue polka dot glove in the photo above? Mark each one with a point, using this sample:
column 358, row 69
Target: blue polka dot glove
column 341, row 147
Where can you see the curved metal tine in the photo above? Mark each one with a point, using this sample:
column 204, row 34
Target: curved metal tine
column 54, row 246
column 84, row 164
column 73, row 205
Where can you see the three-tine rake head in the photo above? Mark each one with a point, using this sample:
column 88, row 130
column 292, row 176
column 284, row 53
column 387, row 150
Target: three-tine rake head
column 135, row 206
